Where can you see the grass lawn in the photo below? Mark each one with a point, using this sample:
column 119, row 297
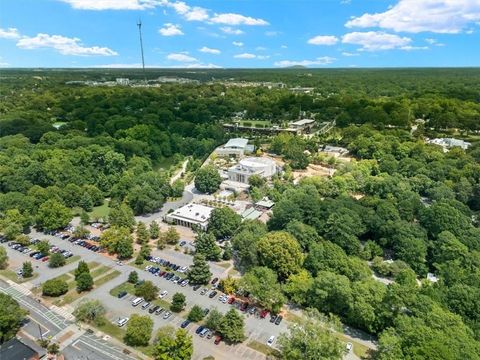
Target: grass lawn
column 100, row 212
column 104, row 279
column 99, row 270
column 112, row 329
column 358, row 349
column 263, row 348
column 126, row 286
column 165, row 163
column 12, row 275
column 72, row 259
column 225, row 265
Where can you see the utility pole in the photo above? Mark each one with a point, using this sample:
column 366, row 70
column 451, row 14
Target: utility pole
column 139, row 24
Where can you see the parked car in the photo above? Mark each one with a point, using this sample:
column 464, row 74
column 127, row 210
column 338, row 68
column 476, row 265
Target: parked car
column 199, row 329
column 231, row 300
column 196, row 287
column 182, row 243
column 153, row 309
column 349, row 346
column 122, row 321
column 159, row 311
column 278, row 320
column 270, row 340
column 212, row 294
column 167, row 315
column 206, row 311
column 204, row 291
column 122, row 294
column 185, row 324
column 214, row 281
column 263, row 314
column 217, row 340
column 146, row 305
column 204, row 332
column 273, row 318
column 163, row 294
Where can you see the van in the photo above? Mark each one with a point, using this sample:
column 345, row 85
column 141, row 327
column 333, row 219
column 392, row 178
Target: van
column 121, row 322
column 137, row 301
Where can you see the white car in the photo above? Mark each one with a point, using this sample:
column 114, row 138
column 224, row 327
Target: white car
column 122, row 321
column 167, row 315
column 163, row 294
column 270, row 340
column 349, row 346
column 182, row 269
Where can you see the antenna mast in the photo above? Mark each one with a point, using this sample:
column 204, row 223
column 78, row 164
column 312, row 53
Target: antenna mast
column 139, row 24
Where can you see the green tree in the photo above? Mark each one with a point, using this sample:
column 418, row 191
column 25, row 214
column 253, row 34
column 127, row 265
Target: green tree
column 196, row 313
column 207, row 179
column 122, row 216
column 232, row 327
column 11, row 317
column 142, row 233
column 84, row 282
column 52, row 215
column 331, row 293
column 13, row 223
column 199, row 272
column 205, row 244
column 154, row 230
column 262, row 284
column 44, row 247
column 139, row 330
column 89, row 311
column 311, row 339
column 214, row 319
column 3, row 258
column 304, row 234
column 82, row 267
column 147, row 290
column 169, row 347
column 133, row 277
column 84, row 218
column 223, row 222
column 56, row 260
column 119, row 241
column 280, row 252
column 53, row 348
column 227, row 252
column 27, row 269
column 245, row 243
column 297, row 286
column 171, row 236
column 256, row 181
column 54, row 287
column 178, row 302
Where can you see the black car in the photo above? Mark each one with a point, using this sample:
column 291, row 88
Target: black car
column 34, row 253
column 199, row 329
column 278, row 320
column 122, row 294
column 206, row 311
column 273, row 318
column 153, row 309
column 214, row 281
column 212, row 294
column 185, row 324
column 196, row 287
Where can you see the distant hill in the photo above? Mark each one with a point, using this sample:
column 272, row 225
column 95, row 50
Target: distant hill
column 296, row 67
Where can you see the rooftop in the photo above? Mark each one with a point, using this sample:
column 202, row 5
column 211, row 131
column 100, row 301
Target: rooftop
column 265, row 202
column 251, row 214
column 302, row 122
column 193, row 212
column 15, row 349
column 236, row 143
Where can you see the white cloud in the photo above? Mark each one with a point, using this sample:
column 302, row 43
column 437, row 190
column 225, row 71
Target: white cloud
column 181, row 57
column 263, row 57
column 434, row 42
column 197, row 14
column 64, row 45
column 376, row 40
column 170, row 30
column 323, row 40
column 320, row 61
column 414, row 16
column 411, row 48
column 271, row 33
column 111, row 4
column 260, row 48
column 237, row 43
column 284, row 47
column 236, row 19
column 231, row 31
column 10, row 33
column 349, row 54
column 245, row 56
column 208, row 50
column 195, row 65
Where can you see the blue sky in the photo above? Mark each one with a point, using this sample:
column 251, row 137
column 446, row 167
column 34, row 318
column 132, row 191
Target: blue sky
column 240, row 33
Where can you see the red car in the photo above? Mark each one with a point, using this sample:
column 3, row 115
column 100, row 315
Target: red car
column 231, row 300
column 244, row 306
column 217, row 340
column 45, row 259
column 264, row 314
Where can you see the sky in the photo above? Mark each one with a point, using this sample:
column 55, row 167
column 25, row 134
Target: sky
column 240, row 33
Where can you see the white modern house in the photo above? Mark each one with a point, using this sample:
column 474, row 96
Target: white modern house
column 190, row 215
column 448, row 143
column 302, row 126
column 233, row 148
column 249, row 166
column 335, row 151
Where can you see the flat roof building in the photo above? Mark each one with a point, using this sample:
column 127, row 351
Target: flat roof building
column 447, row 143
column 233, row 148
column 335, row 151
column 191, row 215
column 302, row 126
column 247, row 167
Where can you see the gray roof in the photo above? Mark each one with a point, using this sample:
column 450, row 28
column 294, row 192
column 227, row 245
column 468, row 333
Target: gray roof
column 237, row 143
column 15, row 349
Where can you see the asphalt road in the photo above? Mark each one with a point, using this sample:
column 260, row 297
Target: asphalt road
column 52, row 325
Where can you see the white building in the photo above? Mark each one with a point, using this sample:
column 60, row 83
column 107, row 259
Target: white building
column 247, row 167
column 302, row 126
column 233, row 148
column 447, row 143
column 335, row 151
column 190, row 215
column 123, row 81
